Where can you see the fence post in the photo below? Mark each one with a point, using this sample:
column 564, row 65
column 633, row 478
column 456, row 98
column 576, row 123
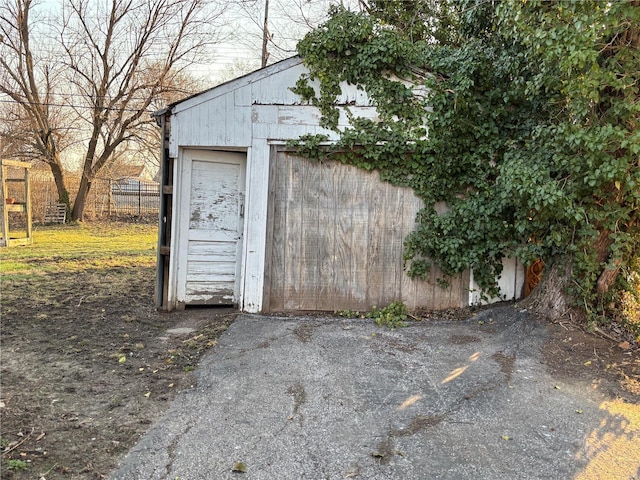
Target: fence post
column 109, row 199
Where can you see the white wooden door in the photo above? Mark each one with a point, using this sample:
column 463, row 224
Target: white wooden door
column 216, row 211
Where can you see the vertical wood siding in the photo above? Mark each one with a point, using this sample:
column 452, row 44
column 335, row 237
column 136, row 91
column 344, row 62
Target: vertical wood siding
column 335, row 241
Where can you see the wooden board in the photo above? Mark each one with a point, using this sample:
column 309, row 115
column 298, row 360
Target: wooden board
column 55, row 213
column 336, row 241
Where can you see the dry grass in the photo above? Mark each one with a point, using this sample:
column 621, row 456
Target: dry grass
column 73, row 248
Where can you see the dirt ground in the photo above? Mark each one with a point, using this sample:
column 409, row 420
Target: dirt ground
column 86, row 371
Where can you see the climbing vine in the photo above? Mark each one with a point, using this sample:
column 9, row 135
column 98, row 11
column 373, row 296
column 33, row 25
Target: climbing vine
column 518, row 127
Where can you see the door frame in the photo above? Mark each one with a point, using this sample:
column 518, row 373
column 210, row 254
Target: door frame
column 180, row 223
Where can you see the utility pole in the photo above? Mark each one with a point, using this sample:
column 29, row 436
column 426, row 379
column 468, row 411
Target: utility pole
column 265, row 34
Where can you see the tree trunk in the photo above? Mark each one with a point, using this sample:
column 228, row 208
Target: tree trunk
column 549, row 298
column 77, row 214
column 609, row 275
column 63, row 193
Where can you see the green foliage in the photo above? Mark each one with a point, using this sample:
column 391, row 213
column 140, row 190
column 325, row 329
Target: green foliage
column 392, row 316
column 350, row 314
column 516, row 122
column 310, row 146
column 17, row 465
column 630, row 300
column 435, row 20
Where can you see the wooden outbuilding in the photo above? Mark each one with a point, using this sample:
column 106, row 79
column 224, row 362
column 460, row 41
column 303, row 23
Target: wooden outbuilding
column 246, row 222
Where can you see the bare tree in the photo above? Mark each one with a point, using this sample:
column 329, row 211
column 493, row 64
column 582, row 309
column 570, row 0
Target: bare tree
column 143, row 146
column 273, row 27
column 34, row 126
column 116, row 57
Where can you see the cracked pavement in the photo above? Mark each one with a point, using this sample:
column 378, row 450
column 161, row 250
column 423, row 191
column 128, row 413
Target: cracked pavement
column 332, row 398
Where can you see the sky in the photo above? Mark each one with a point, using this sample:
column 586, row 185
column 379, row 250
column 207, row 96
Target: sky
column 288, row 22
column 241, row 26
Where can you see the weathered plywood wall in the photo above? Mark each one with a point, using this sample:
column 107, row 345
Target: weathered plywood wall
column 335, row 241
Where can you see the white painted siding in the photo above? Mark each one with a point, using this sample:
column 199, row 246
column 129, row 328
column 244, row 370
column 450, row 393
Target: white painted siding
column 260, row 105
column 511, row 283
column 256, row 225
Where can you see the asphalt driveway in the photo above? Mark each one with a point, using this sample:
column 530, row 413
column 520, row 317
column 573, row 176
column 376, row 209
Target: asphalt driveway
column 331, row 398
